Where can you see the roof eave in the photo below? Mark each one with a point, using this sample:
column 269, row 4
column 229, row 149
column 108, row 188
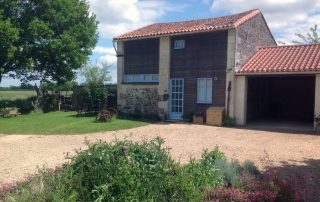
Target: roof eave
column 174, row 34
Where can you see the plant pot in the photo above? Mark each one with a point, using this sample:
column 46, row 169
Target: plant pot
column 198, row 119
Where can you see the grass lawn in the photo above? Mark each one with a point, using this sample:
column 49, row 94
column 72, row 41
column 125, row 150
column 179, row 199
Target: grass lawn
column 61, row 123
column 16, row 94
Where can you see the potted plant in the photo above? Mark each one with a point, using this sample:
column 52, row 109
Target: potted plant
column 198, row 118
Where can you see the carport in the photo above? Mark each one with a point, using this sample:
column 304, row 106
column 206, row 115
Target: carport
column 283, row 99
column 280, row 85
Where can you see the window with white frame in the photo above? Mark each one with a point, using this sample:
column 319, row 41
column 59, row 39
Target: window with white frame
column 179, row 44
column 204, row 90
column 141, row 78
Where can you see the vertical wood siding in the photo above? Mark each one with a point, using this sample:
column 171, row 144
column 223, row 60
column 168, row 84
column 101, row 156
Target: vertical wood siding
column 141, row 56
column 204, row 56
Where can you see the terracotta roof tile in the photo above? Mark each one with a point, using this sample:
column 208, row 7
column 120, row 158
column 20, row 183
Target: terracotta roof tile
column 199, row 25
column 285, row 59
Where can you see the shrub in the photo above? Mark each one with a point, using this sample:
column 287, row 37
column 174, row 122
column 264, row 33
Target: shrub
column 25, row 105
column 122, row 171
column 228, row 121
column 6, row 103
column 201, row 178
column 230, row 171
column 49, row 103
column 251, row 168
column 132, row 171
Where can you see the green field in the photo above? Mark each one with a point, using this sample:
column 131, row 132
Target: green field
column 61, row 123
column 16, row 94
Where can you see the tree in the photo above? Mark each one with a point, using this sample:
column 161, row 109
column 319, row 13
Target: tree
column 44, row 39
column 9, row 35
column 96, row 73
column 312, row 37
column 94, row 93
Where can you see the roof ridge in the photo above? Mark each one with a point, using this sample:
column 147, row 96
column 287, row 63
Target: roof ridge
column 226, row 16
column 251, row 14
column 292, row 45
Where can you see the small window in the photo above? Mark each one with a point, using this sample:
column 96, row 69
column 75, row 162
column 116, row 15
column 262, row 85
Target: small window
column 204, row 90
column 141, row 78
column 179, row 44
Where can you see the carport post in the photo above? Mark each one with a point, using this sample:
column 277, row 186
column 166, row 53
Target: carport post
column 317, row 99
column 241, row 100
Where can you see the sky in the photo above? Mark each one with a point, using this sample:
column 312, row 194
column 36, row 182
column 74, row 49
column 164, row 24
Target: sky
column 284, row 17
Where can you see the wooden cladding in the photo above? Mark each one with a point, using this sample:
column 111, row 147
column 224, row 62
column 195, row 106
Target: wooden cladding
column 207, row 51
column 141, row 56
column 204, row 56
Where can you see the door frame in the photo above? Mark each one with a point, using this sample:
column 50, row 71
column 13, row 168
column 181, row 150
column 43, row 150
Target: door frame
column 175, row 115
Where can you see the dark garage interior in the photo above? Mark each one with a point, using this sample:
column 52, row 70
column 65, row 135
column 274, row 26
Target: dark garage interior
column 281, row 99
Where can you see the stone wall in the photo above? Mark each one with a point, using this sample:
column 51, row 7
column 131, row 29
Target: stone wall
column 138, row 98
column 252, row 35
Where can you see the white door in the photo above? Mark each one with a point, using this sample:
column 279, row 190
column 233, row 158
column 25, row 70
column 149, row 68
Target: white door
column 176, row 98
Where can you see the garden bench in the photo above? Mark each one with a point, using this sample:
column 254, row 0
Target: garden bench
column 10, row 112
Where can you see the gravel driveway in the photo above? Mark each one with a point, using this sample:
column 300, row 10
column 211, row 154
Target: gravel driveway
column 21, row 154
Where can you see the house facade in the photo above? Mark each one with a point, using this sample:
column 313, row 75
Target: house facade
column 179, row 68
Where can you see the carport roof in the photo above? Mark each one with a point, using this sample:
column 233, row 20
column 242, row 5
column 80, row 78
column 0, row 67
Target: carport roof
column 284, row 59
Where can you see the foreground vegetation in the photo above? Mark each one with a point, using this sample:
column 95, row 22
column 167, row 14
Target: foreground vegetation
column 61, row 123
column 131, row 171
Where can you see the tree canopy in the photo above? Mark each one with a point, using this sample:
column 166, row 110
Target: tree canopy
column 311, row 37
column 45, row 39
column 96, row 73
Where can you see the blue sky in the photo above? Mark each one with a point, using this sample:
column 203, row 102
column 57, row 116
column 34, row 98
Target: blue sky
column 284, row 17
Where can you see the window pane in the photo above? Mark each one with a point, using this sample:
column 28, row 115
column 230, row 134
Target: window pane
column 201, row 90
column 209, row 91
column 179, row 44
column 147, row 77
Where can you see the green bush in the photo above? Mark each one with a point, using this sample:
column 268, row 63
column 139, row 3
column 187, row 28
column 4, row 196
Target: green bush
column 251, row 168
column 230, row 171
column 25, row 105
column 49, row 103
column 131, row 171
column 228, row 122
column 122, row 171
column 6, row 103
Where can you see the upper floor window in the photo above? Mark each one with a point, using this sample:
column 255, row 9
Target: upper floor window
column 204, row 90
column 141, row 78
column 179, row 44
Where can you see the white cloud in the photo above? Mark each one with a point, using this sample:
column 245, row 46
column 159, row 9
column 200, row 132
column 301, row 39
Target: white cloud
column 109, row 59
column 284, row 17
column 119, row 16
column 108, row 54
column 102, row 50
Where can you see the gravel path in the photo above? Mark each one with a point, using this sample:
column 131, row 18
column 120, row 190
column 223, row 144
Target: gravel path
column 21, row 154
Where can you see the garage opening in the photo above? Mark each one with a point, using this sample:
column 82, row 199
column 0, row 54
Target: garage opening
column 279, row 99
